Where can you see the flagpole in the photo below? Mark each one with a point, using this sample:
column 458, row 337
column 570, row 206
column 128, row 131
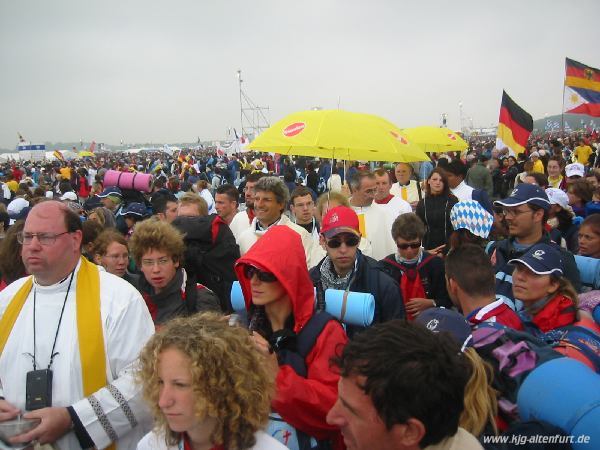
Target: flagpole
column 562, row 112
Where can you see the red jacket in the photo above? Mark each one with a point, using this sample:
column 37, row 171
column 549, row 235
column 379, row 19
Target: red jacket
column 301, row 402
column 497, row 311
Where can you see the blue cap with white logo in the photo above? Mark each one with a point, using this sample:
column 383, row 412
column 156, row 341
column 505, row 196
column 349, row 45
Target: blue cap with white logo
column 542, row 259
column 525, row 193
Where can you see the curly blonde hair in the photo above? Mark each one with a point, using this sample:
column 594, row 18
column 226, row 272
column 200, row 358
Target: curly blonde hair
column 154, row 234
column 229, row 377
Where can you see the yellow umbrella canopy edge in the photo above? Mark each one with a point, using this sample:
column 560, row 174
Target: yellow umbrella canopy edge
column 338, row 134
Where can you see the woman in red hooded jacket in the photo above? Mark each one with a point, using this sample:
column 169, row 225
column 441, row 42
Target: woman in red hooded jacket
column 280, row 300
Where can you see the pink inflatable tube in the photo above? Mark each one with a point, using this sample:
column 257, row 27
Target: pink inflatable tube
column 128, row 180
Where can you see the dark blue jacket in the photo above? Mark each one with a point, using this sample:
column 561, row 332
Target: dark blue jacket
column 370, row 278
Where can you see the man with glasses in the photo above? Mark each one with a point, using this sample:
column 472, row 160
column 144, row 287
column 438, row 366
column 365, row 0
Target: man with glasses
column 69, row 335
column 157, row 249
column 406, row 188
column 375, row 222
column 525, row 213
column 420, row 274
column 345, row 267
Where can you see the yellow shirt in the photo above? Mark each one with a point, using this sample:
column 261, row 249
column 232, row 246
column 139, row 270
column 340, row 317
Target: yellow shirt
column 583, row 153
column 555, row 182
column 538, row 166
column 13, row 185
column 66, row 173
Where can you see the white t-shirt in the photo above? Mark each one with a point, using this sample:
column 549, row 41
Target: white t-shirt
column 156, row 441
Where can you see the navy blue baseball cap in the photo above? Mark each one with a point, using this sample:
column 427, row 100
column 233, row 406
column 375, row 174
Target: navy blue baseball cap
column 525, row 193
column 111, row 190
column 440, row 320
column 135, row 209
column 542, row 259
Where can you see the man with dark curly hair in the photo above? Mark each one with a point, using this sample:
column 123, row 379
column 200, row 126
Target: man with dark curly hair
column 401, row 388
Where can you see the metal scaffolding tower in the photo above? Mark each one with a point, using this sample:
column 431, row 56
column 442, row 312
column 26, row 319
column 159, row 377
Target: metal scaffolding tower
column 253, row 119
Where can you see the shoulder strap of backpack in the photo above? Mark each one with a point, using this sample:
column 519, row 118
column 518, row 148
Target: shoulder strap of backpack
column 425, row 261
column 308, row 335
column 191, row 295
column 395, row 263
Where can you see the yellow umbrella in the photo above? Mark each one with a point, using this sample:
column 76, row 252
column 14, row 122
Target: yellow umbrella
column 338, row 134
column 433, row 139
column 84, row 153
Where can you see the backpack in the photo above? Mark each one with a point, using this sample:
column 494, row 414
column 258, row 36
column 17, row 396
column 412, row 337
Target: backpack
column 411, row 284
column 576, row 340
column 210, row 252
column 513, row 355
column 295, row 357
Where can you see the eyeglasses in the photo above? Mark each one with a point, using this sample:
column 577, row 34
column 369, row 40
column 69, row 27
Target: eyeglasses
column 265, row 277
column 161, row 262
column 43, row 238
column 350, row 241
column 412, row 245
column 514, row 212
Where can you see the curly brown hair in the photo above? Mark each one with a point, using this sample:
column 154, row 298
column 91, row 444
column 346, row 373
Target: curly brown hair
column 156, row 235
column 229, row 377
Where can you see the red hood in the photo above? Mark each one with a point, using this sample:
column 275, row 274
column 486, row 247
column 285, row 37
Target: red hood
column 280, row 252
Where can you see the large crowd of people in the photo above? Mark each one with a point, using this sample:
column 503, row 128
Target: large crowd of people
column 193, row 314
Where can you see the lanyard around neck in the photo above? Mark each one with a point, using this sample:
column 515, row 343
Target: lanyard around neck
column 52, row 354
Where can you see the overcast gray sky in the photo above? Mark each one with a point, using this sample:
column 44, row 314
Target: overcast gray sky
column 164, row 71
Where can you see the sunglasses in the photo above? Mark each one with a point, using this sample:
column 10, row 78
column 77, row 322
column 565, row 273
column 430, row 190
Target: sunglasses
column 412, row 245
column 265, row 277
column 350, row 241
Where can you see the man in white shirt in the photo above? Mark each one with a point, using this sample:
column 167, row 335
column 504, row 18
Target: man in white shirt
column 375, row 223
column 271, row 196
column 393, row 204
column 406, row 188
column 456, row 172
column 60, row 344
column 302, row 206
column 242, row 220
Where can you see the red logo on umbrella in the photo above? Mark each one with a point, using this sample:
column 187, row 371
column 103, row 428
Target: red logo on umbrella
column 294, row 129
column 452, row 136
column 399, row 138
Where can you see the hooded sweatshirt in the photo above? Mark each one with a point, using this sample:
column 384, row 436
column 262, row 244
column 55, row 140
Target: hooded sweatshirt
column 301, row 402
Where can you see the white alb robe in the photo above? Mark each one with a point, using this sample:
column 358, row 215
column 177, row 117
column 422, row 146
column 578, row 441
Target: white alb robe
column 127, row 325
column 378, row 230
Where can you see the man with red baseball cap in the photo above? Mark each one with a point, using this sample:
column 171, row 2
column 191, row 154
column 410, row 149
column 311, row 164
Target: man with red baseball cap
column 345, row 267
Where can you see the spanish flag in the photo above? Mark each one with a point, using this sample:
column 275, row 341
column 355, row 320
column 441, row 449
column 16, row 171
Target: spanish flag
column 514, row 126
column 582, row 89
column 58, row 155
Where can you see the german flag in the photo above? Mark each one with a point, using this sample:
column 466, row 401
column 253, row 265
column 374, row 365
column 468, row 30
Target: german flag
column 514, row 126
column 582, row 89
